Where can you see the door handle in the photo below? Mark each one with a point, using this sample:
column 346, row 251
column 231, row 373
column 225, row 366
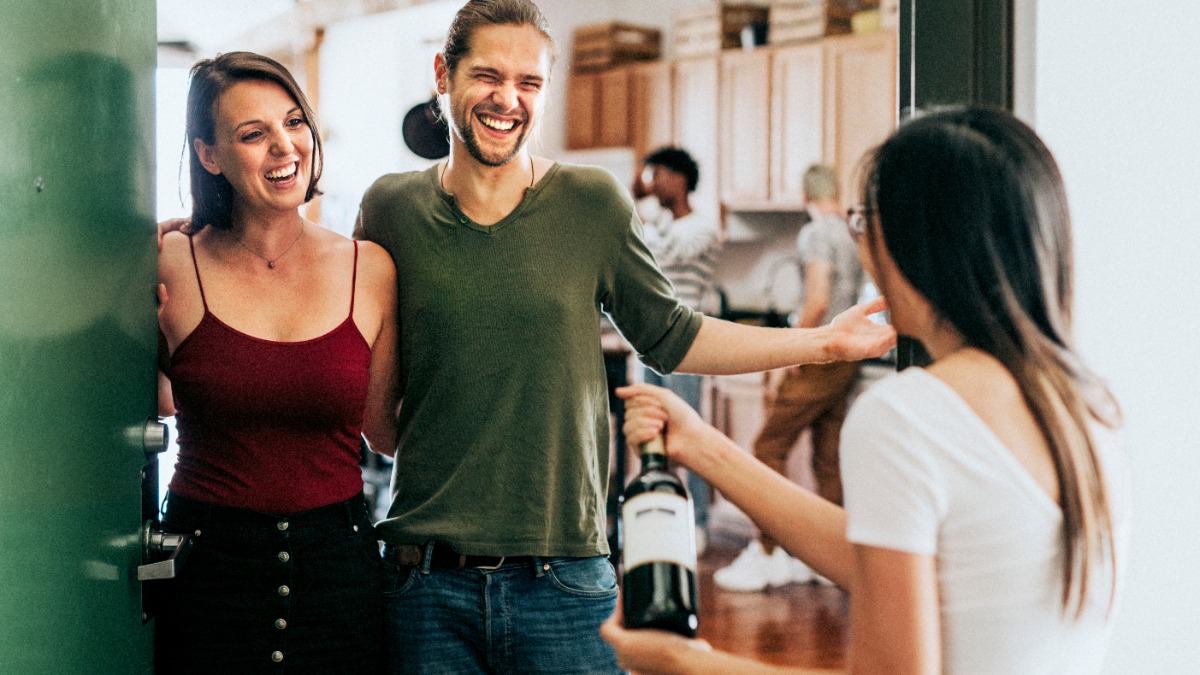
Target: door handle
column 155, row 542
column 155, row 437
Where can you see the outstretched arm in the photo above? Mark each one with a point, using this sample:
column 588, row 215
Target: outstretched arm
column 894, row 604
column 806, row 525
column 725, row 348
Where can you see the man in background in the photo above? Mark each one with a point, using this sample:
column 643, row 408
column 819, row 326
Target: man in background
column 685, row 245
column 810, row 396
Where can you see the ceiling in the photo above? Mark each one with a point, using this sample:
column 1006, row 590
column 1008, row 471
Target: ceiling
column 208, row 26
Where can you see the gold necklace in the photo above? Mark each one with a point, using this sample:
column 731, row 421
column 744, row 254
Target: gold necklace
column 271, row 261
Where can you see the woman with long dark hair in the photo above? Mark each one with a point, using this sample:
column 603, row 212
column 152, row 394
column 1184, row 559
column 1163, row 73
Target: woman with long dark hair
column 277, row 338
column 985, row 495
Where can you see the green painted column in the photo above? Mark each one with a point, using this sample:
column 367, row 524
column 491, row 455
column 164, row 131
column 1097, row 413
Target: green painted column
column 77, row 331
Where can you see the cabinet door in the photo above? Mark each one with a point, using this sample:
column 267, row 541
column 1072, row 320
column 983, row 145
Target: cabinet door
column 797, row 119
column 861, row 94
column 695, row 104
column 745, row 127
column 649, row 107
column 613, row 121
column 583, row 102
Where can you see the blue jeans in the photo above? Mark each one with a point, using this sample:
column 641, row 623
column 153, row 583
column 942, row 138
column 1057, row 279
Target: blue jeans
column 689, row 388
column 532, row 615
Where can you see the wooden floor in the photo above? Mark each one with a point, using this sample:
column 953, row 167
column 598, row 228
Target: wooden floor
column 797, row 625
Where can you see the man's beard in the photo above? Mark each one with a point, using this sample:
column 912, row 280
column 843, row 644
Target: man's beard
column 466, row 133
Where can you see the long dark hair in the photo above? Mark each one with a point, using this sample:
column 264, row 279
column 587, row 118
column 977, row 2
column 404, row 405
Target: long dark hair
column 212, row 196
column 971, row 208
column 478, row 14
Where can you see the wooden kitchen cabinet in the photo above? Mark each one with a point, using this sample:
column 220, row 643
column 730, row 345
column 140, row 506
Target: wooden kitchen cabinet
column 784, row 108
column 754, row 121
column 694, row 103
column 797, row 119
column 860, row 93
column 745, row 121
column 650, row 106
column 626, row 106
column 583, row 111
column 613, row 122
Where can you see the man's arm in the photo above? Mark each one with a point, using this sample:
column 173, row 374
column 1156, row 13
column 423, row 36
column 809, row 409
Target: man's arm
column 726, row 348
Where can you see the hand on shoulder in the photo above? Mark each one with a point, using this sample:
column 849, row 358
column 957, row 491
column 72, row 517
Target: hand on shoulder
column 170, row 225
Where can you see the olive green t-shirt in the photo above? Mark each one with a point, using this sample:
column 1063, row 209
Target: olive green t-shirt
column 503, row 433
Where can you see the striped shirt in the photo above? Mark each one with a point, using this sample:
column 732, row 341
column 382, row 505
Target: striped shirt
column 686, row 252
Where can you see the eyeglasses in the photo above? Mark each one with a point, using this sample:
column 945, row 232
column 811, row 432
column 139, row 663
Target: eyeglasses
column 857, row 219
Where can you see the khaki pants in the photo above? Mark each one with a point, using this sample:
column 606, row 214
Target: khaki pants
column 811, row 396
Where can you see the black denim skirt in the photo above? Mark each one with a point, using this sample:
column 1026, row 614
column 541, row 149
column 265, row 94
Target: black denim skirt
column 271, row 594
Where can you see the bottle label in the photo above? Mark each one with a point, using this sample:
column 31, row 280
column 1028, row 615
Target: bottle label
column 659, row 527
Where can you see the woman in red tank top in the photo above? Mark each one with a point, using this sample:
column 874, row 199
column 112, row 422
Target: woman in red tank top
column 277, row 339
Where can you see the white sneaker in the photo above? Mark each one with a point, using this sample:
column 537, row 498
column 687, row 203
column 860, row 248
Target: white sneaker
column 803, row 574
column 753, row 570
column 822, row 581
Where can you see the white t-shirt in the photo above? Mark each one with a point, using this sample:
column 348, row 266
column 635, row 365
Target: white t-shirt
column 924, row 474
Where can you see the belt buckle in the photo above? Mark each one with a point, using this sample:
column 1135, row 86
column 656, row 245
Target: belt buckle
column 491, row 567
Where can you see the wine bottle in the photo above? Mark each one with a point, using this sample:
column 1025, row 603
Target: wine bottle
column 659, row 552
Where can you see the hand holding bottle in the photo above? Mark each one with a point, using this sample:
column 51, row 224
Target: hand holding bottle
column 651, row 411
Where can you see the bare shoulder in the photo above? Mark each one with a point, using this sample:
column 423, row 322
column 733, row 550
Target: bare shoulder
column 175, row 255
column 377, row 276
column 975, row 376
column 376, row 262
column 986, row 386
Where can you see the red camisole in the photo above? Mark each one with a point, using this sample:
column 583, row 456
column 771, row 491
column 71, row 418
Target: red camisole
column 269, row 426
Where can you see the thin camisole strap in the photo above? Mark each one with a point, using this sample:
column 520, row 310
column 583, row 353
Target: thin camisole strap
column 354, row 279
column 196, row 265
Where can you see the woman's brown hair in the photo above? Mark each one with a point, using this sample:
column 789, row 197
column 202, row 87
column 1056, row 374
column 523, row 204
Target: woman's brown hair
column 971, row 207
column 212, row 195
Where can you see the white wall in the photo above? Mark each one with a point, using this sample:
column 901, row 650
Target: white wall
column 374, row 70
column 1118, row 101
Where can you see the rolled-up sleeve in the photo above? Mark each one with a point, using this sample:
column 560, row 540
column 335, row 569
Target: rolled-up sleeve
column 643, row 306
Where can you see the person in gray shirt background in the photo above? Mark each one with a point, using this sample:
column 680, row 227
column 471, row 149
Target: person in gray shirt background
column 812, row 396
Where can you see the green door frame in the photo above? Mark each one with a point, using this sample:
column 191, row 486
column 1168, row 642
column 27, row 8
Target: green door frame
column 77, row 331
column 955, row 51
column 952, row 51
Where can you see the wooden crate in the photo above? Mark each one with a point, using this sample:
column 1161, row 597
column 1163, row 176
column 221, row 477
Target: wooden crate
column 603, row 45
column 708, row 28
column 800, row 20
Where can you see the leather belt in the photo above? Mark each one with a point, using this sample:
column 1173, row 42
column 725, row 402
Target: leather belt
column 447, row 558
